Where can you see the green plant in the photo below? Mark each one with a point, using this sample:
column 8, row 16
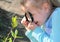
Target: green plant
column 10, row 39
column 14, row 33
column 14, row 21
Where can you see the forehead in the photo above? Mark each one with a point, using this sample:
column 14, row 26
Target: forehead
column 31, row 8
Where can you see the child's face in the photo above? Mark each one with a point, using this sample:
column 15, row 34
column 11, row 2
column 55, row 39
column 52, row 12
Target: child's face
column 39, row 15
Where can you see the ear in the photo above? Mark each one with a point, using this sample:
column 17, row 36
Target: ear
column 45, row 6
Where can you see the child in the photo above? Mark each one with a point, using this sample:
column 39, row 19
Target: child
column 37, row 13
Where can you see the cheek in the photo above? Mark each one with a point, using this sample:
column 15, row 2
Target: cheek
column 40, row 19
column 37, row 18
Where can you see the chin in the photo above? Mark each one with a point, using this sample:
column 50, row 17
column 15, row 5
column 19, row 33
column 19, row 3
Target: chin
column 40, row 24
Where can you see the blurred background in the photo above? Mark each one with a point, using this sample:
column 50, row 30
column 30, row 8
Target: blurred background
column 11, row 29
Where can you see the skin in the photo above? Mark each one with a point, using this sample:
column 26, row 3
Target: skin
column 39, row 14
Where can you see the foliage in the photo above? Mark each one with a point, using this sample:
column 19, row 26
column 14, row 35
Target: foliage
column 14, row 21
column 13, row 34
column 10, row 39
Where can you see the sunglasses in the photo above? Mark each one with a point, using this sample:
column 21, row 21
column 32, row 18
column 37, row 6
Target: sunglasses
column 29, row 17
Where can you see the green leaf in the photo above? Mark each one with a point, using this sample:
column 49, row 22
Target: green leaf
column 19, row 37
column 16, row 32
column 14, row 22
column 12, row 33
column 10, row 39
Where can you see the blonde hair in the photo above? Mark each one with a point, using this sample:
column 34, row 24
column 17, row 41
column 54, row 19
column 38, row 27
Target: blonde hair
column 36, row 3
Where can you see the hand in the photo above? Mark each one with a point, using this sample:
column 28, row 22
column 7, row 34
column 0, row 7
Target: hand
column 32, row 26
column 24, row 22
column 28, row 25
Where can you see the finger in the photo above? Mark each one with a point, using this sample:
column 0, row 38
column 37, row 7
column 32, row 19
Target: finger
column 31, row 26
column 24, row 22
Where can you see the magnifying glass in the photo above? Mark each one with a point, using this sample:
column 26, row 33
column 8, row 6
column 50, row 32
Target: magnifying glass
column 29, row 17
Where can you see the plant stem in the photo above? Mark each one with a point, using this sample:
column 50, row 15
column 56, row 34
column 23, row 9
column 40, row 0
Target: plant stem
column 14, row 39
column 8, row 36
